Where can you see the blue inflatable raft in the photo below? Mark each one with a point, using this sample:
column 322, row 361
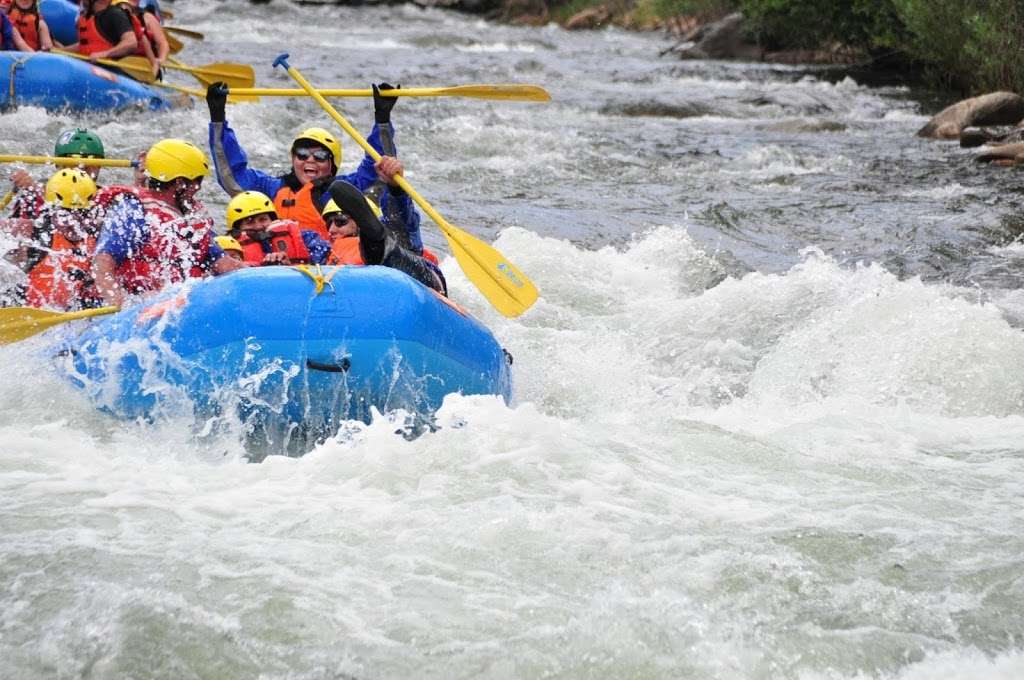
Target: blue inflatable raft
column 291, row 362
column 56, row 83
column 62, row 19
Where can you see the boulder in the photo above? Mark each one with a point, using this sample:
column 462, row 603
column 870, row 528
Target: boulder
column 996, row 108
column 722, row 39
column 590, row 18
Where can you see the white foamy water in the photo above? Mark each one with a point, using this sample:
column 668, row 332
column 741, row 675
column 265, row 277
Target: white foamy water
column 732, row 452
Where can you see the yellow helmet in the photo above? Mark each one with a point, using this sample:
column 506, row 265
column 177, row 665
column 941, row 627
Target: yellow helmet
column 324, row 138
column 170, row 159
column 332, row 207
column 71, row 188
column 247, row 204
column 228, row 243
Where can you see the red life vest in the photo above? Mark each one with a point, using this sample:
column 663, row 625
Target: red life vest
column 62, row 279
column 177, row 247
column 284, row 236
column 138, row 29
column 27, row 23
column 90, row 40
column 300, row 206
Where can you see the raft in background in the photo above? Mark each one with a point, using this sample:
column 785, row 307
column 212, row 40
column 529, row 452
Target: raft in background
column 59, row 83
column 62, row 19
column 295, row 363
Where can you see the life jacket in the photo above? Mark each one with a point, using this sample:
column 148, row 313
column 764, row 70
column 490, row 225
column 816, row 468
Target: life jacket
column 90, row 40
column 284, row 236
column 27, row 23
column 300, row 205
column 345, row 250
column 138, row 28
column 176, row 249
column 62, row 279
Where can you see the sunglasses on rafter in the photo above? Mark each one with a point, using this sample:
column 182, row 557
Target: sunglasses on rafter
column 317, row 154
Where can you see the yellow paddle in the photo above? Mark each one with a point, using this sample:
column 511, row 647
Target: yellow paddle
column 18, row 323
column 137, row 67
column 509, row 92
column 499, row 280
column 70, row 161
column 173, row 43
column 235, row 75
column 187, row 32
column 6, row 200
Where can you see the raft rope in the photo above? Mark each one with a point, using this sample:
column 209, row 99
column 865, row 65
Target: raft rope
column 317, row 276
column 16, row 64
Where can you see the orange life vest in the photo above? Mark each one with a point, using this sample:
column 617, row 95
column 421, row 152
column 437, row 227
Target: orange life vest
column 284, row 236
column 62, row 279
column 300, row 206
column 27, row 23
column 90, row 40
column 345, row 250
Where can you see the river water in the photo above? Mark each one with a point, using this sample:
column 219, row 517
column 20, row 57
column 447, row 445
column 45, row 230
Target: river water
column 768, row 414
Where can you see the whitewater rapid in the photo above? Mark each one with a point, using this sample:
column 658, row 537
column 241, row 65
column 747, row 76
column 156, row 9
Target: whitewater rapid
column 767, row 421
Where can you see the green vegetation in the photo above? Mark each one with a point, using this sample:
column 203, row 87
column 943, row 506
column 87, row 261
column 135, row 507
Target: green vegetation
column 970, row 45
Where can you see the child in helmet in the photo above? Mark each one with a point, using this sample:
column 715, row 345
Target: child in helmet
column 252, row 219
column 230, row 246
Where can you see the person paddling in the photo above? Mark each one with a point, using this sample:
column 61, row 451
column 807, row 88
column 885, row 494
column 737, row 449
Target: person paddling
column 153, row 43
column 25, row 16
column 315, row 160
column 104, row 31
column 264, row 239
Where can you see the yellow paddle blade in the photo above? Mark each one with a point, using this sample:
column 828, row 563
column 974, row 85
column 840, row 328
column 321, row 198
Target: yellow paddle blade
column 6, row 199
column 235, row 75
column 173, row 43
column 187, row 32
column 513, row 92
column 500, row 281
column 18, row 323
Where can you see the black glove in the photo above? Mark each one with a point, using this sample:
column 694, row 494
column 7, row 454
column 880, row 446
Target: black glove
column 382, row 105
column 216, row 97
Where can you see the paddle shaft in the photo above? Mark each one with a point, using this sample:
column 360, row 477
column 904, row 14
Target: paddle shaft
column 531, row 93
column 451, row 233
column 145, row 73
column 70, row 162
